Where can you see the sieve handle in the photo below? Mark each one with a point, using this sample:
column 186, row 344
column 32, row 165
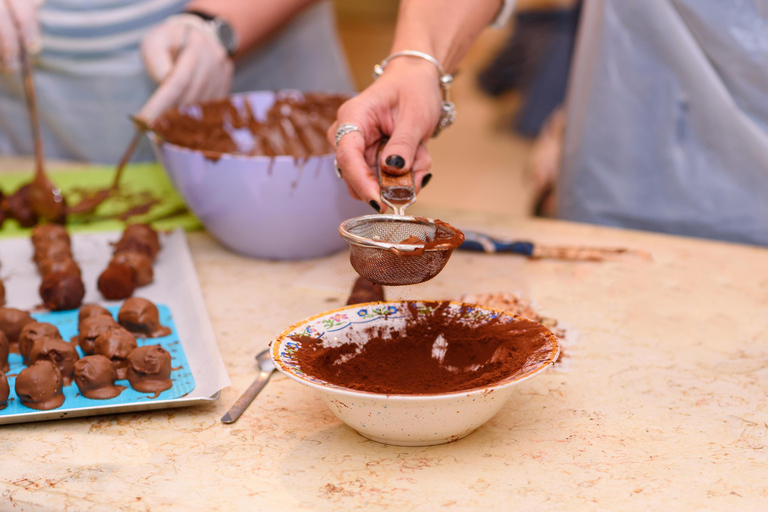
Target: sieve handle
column 397, row 192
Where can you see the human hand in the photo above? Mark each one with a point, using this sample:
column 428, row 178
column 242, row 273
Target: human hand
column 186, row 58
column 403, row 104
column 18, row 22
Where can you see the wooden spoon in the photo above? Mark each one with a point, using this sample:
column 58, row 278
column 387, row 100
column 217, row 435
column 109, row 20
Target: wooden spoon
column 44, row 197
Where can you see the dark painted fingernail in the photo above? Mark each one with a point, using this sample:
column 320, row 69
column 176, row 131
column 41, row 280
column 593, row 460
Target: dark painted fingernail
column 375, row 205
column 395, row 161
column 426, row 179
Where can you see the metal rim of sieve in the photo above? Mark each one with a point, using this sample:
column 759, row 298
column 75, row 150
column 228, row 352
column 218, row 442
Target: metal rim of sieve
column 350, row 224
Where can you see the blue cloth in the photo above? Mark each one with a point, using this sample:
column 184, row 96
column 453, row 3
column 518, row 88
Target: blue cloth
column 668, row 118
column 87, row 91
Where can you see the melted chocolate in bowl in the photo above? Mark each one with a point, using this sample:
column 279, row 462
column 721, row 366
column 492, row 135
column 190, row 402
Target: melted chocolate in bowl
column 437, row 350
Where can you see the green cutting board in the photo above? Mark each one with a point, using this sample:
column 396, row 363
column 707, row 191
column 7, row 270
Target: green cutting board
column 138, row 179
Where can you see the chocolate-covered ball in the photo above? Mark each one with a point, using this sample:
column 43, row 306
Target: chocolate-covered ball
column 18, row 207
column 4, row 350
column 31, row 332
column 61, row 291
column 12, row 321
column 142, row 318
column 47, row 233
column 89, row 310
column 95, row 377
column 5, row 390
column 54, row 249
column 63, row 264
column 139, row 238
column 139, row 262
column 90, row 329
column 39, row 386
column 57, row 351
column 117, row 282
column 149, row 369
column 116, row 344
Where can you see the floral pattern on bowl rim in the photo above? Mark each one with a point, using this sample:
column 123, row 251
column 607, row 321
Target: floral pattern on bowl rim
column 283, row 349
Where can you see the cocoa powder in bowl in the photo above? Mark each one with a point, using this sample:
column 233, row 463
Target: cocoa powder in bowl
column 438, row 349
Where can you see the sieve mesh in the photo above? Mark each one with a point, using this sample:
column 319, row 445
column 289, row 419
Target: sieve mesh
column 391, row 263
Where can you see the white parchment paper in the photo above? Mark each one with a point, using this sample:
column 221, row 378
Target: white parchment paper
column 175, row 285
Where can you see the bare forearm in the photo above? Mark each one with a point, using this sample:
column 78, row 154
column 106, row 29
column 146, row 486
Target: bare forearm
column 254, row 21
column 443, row 28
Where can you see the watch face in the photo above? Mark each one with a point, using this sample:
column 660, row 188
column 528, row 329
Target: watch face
column 227, row 36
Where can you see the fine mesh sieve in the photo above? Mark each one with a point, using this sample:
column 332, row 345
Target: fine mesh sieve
column 376, row 241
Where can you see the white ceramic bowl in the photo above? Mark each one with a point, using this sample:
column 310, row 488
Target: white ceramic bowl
column 275, row 208
column 406, row 420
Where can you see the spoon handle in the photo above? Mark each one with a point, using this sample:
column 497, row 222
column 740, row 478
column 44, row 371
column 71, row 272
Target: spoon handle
column 29, row 90
column 246, row 398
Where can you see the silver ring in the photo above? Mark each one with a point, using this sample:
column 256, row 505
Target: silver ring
column 336, row 168
column 345, row 129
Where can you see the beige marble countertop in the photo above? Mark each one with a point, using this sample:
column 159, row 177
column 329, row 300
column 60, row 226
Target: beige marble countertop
column 662, row 402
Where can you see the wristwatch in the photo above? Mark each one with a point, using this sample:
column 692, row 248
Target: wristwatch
column 223, row 30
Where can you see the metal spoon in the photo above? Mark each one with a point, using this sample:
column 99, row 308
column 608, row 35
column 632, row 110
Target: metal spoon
column 267, row 367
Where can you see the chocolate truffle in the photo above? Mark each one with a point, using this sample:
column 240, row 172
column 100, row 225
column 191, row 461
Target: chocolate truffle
column 117, row 282
column 55, row 249
column 39, row 386
column 95, row 377
column 61, row 291
column 17, row 205
column 116, row 344
column 91, row 328
column 5, row 390
column 12, row 320
column 63, row 264
column 89, row 310
column 44, row 234
column 139, row 262
column 57, row 351
column 31, row 332
column 4, row 350
column 149, row 369
column 139, row 238
column 141, row 317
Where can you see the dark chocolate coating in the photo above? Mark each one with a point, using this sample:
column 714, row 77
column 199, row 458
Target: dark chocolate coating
column 142, row 318
column 4, row 350
column 2, row 289
column 91, row 328
column 117, row 282
column 116, row 344
column 57, row 351
column 12, row 320
column 149, row 369
column 140, row 263
column 39, row 386
column 5, row 390
column 95, row 377
column 31, row 332
column 89, row 310
column 61, row 291
column 139, row 238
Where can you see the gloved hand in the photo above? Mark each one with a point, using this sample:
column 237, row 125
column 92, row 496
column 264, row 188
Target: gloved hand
column 186, row 58
column 18, row 18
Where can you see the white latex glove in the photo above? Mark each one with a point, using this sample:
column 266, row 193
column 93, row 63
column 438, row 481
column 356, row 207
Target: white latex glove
column 186, row 58
column 21, row 14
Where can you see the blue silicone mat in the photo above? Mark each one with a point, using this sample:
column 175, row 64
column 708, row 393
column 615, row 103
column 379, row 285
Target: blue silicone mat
column 66, row 322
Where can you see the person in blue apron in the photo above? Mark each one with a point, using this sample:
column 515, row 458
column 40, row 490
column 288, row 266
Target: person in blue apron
column 667, row 114
column 98, row 61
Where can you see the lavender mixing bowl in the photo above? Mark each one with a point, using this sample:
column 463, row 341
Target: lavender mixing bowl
column 275, row 208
